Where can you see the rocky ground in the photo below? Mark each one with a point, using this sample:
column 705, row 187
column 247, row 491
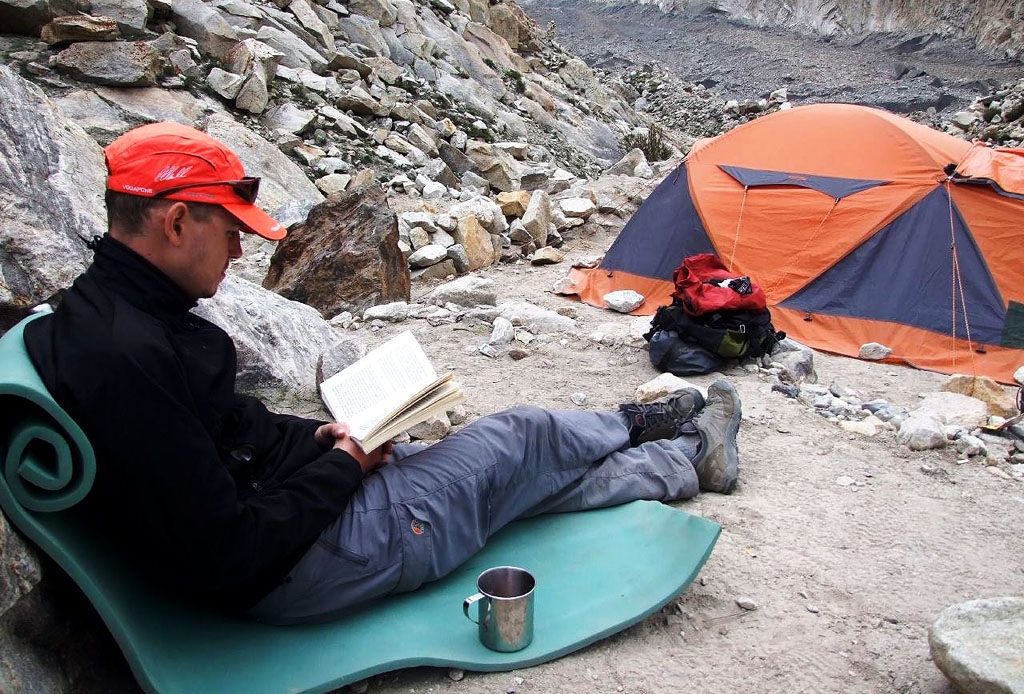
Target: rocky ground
column 849, row 546
column 692, row 63
column 846, row 545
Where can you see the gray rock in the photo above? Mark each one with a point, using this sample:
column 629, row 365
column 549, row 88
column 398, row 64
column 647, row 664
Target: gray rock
column 502, row 332
column 428, row 255
column 624, row 300
column 796, row 362
column 485, row 210
column 289, row 118
column 577, row 207
column 279, row 343
column 497, row 167
column 306, row 14
column 434, row 429
column 954, row 408
column 970, row 446
column 295, row 53
column 51, row 187
column 333, row 183
column 251, row 57
column 874, row 351
column 27, row 16
column 359, row 101
column 154, row 104
column 457, row 254
column 537, row 217
column 465, row 291
column 394, row 312
column 88, row 110
column 341, row 354
column 283, row 181
column 20, row 571
column 131, row 15
column 536, row 319
column 254, row 94
column 978, row 644
column 203, row 23
column 922, row 431
column 121, row 64
column 227, row 84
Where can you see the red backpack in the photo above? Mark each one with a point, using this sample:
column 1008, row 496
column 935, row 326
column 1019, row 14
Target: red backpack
column 704, row 285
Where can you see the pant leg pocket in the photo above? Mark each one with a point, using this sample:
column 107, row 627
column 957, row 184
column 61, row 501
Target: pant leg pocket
column 417, row 547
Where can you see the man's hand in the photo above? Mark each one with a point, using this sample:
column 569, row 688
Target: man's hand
column 336, row 435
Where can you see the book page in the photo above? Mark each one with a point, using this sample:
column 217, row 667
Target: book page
column 378, row 384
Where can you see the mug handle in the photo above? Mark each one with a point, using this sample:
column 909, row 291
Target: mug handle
column 470, row 601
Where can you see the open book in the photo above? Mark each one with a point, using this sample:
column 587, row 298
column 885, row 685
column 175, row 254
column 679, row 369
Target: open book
column 389, row 390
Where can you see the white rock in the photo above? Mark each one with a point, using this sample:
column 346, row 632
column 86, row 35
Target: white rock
column 502, row 331
column 862, row 427
column 1018, row 376
column 535, row 318
column 577, row 207
column 465, row 291
column 954, row 408
column 394, row 312
column 922, row 431
column 623, row 301
column 431, row 254
column 874, row 351
column 663, row 385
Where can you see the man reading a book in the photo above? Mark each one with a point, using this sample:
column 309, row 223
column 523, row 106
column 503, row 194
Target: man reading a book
column 284, row 517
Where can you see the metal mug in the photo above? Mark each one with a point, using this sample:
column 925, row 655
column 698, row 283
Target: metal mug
column 504, row 608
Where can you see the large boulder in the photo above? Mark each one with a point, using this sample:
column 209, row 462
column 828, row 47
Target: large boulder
column 122, row 64
column 283, row 182
column 203, row 23
column 345, row 257
column 279, row 343
column 52, row 178
column 978, row 645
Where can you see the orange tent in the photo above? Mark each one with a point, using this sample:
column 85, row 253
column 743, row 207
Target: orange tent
column 860, row 225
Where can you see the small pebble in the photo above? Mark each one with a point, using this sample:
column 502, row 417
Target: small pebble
column 845, row 481
column 803, row 594
column 703, row 581
column 813, row 609
column 455, row 674
column 579, row 399
column 723, row 630
column 746, row 603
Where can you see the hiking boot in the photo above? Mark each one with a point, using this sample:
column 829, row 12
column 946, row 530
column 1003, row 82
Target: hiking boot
column 662, row 418
column 718, row 462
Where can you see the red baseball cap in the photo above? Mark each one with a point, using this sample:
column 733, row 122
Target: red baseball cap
column 176, row 162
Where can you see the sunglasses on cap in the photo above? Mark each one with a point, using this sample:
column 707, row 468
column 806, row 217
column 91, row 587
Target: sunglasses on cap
column 246, row 188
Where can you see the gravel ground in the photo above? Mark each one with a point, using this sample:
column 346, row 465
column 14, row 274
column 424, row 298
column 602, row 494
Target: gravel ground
column 900, row 73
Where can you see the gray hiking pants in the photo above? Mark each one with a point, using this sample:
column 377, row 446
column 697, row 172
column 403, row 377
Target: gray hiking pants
column 422, row 515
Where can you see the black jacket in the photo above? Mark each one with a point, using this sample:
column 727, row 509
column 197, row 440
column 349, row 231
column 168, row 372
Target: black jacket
column 207, row 488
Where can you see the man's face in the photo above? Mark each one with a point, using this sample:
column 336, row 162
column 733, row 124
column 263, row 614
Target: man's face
column 212, row 242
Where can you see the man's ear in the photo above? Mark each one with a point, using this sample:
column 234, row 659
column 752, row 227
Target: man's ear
column 174, row 221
